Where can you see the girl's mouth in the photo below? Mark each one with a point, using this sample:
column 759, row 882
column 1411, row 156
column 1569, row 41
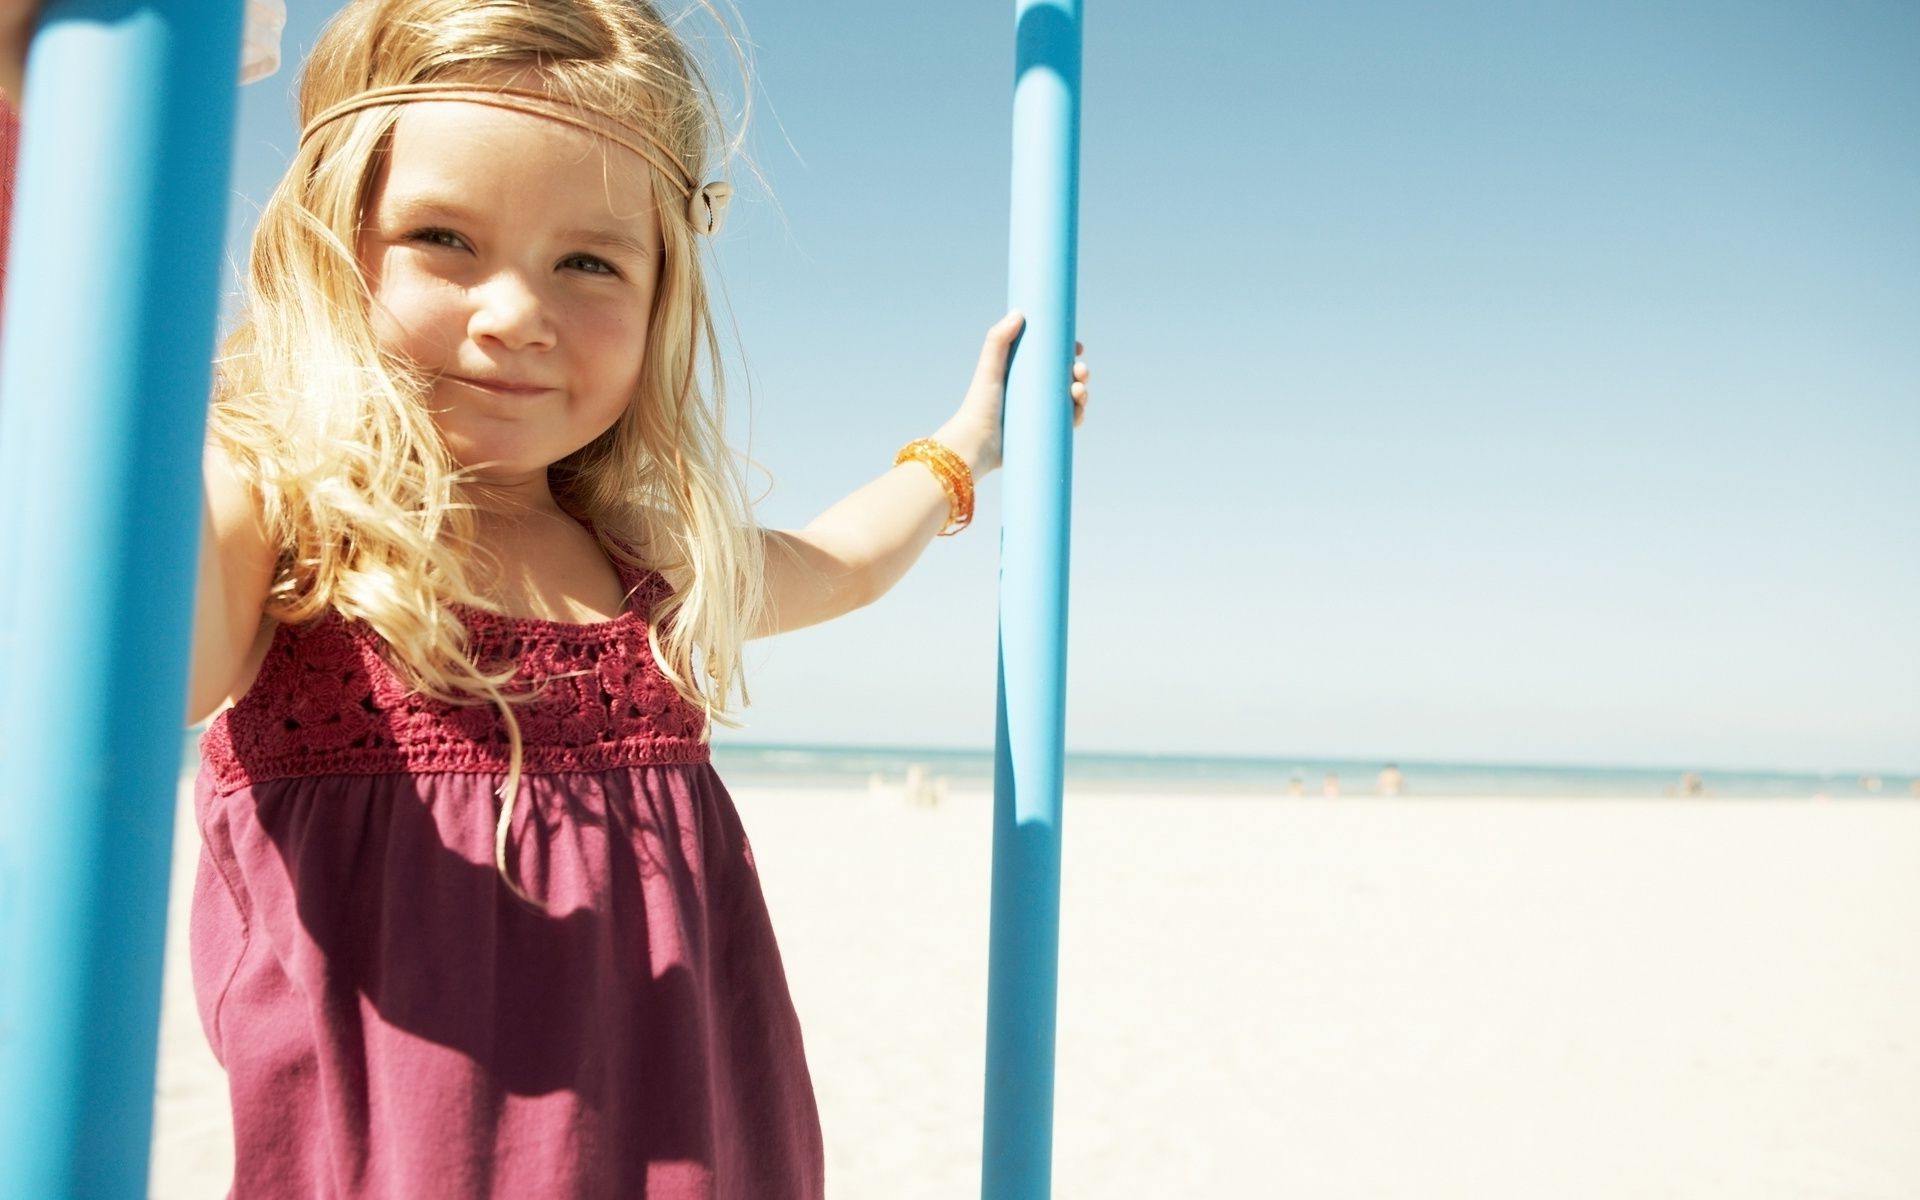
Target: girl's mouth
column 501, row 387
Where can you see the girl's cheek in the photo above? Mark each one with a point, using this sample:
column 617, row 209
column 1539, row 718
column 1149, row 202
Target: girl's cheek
column 418, row 313
column 609, row 324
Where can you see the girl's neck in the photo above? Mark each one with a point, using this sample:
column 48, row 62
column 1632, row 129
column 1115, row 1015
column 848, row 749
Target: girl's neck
column 542, row 523
column 513, row 505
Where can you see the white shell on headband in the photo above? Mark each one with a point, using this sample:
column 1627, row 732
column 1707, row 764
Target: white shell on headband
column 707, row 207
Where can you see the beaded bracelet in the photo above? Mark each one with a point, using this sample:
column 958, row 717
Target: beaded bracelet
column 955, row 477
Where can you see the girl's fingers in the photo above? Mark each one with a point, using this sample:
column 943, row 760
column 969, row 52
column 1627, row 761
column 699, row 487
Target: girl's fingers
column 992, row 368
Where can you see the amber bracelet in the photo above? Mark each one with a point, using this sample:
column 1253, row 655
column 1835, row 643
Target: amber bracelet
column 955, row 477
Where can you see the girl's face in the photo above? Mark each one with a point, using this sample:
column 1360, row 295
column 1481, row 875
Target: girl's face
column 514, row 259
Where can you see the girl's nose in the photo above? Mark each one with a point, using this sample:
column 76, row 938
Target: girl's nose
column 510, row 312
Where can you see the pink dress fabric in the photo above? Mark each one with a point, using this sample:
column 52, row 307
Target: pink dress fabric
column 394, row 1023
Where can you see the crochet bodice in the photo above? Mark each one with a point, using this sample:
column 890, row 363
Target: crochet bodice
column 327, row 701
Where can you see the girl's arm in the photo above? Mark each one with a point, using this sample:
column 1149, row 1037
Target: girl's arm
column 230, row 595
column 853, row 553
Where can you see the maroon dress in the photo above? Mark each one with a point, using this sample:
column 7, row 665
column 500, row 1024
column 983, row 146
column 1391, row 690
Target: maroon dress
column 394, row 1023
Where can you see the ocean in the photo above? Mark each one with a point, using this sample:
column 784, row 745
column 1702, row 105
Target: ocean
column 843, row 767
column 858, row 767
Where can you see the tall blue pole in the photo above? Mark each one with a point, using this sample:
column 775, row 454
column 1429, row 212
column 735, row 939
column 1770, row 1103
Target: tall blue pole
column 1037, row 453
column 112, row 281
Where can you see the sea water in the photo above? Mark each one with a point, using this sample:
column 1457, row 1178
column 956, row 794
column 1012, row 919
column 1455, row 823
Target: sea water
column 859, row 767
column 1306, row 775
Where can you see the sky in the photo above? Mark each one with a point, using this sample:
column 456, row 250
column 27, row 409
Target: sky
column 1499, row 382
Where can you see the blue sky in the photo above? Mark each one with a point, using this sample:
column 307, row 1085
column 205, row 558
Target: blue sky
column 1497, row 382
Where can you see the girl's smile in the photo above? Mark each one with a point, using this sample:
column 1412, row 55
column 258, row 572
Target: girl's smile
column 500, row 387
column 514, row 260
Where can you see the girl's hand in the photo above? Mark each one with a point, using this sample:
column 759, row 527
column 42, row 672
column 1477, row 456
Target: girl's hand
column 974, row 432
column 16, row 30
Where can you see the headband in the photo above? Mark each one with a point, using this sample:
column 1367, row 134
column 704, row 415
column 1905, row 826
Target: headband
column 706, row 202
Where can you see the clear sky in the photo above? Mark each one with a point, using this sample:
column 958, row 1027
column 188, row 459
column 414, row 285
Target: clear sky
column 1475, row 382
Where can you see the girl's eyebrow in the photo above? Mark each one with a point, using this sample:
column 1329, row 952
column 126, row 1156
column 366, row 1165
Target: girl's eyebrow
column 609, row 239
column 421, row 208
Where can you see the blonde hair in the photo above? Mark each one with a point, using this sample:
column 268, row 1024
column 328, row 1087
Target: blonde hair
column 359, row 488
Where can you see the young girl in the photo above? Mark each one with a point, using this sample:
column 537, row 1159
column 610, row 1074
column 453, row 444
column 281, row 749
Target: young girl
column 475, row 916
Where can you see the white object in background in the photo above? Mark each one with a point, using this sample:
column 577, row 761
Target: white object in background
column 260, row 40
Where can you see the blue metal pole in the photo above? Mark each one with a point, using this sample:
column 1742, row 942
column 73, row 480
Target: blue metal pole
column 104, row 375
column 1037, row 446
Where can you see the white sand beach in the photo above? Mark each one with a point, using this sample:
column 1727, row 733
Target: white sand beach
column 1359, row 998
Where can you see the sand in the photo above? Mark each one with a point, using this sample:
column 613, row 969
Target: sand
column 1358, row 998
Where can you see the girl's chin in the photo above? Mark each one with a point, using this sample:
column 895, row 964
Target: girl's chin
column 511, row 457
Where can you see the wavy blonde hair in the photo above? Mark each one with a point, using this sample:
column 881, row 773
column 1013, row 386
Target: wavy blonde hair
column 359, row 489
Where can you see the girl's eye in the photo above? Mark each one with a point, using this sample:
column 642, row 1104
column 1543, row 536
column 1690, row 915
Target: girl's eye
column 436, row 237
column 595, row 266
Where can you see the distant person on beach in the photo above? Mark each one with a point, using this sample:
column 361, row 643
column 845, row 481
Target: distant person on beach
column 1390, row 781
column 1295, row 788
column 475, row 916
column 1330, row 788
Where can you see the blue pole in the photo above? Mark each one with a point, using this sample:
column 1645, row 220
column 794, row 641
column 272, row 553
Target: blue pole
column 104, row 376
column 1030, row 743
